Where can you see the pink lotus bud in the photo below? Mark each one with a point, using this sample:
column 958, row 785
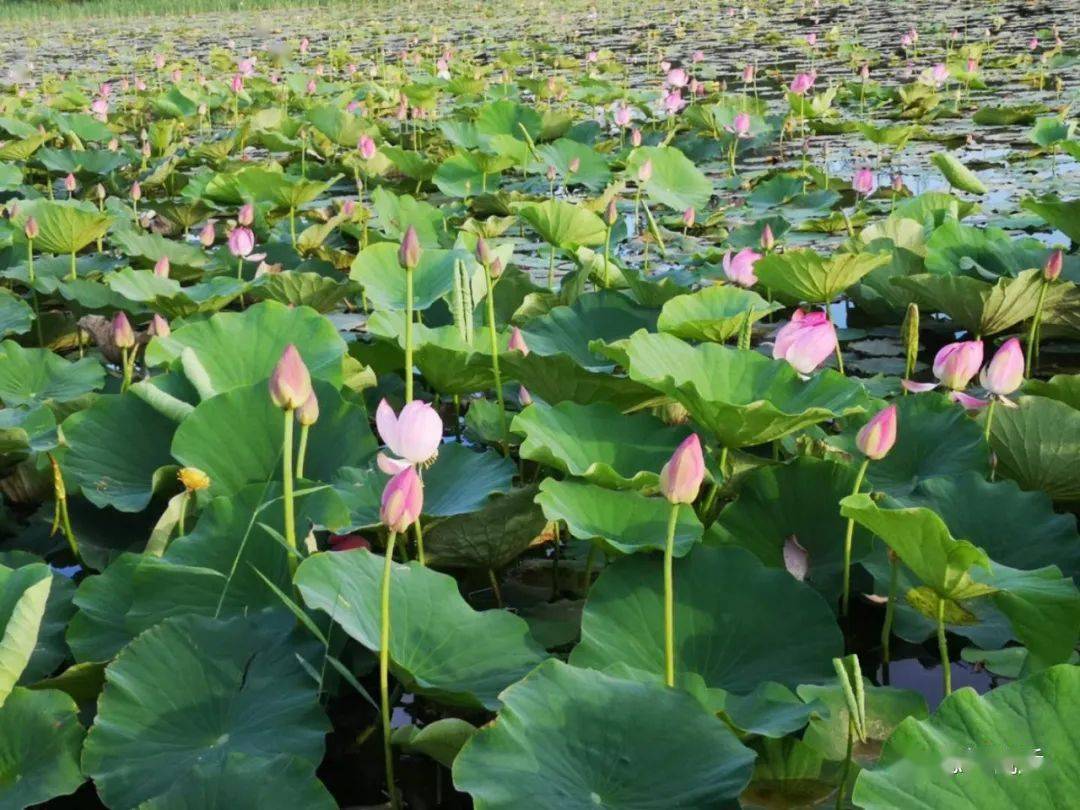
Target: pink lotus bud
column 1033, row 43
column 801, row 83
column 552, row 173
column 246, row 215
column 635, row 138
column 796, row 558
column 483, row 252
column 739, row 268
column 122, row 334
column 677, row 77
column 697, row 56
column 524, row 397
column 161, row 267
column 305, row 43
column 290, row 384
column 517, row 342
column 207, row 235
column 177, row 75
column 805, row 341
column 237, row 84
column 897, row 183
column 308, row 413
column 31, row 228
column 972, row 65
column 413, row 436
column 957, row 363
column 574, row 165
column 1005, row 371
column 665, row 66
column 366, row 147
column 939, row 73
column 241, row 241
column 644, row 172
column 767, row 238
column 748, row 74
column 689, row 215
column 159, row 60
column 877, row 436
column 611, row 213
column 495, row 270
column 741, row 125
column 348, row 208
column 864, row 72
column 1052, row 268
column 159, row 327
column 100, row 108
column 311, row 87
column 591, row 57
column 140, row 85
column 69, row 182
column 622, row 115
column 113, row 145
column 136, row 191
column 811, row 39
column 681, row 477
column 673, row 102
column 863, row 182
column 409, row 252
column 402, row 501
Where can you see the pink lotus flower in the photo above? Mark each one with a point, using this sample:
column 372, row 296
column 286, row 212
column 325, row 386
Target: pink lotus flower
column 574, row 165
column 864, row 72
column 402, row 501
column 31, row 228
column 159, row 327
column 681, row 477
column 622, row 115
column 697, row 56
column 413, row 436
column 305, row 43
column 290, row 382
column 805, row 341
column 801, row 83
column 767, row 238
column 410, row 250
column 122, row 334
column 237, row 84
column 100, row 108
column 1054, row 263
column 517, row 342
column 673, row 102
column 69, row 183
column 1005, row 372
column 207, row 235
column 972, row 65
column 957, row 363
column 635, row 138
column 591, row 57
column 524, row 397
column 308, row 413
column 241, row 241
column 739, row 268
column 811, row 39
column 863, row 182
column 1033, row 43
column 740, row 126
column 311, row 87
column 877, row 437
column 159, row 60
column 676, row 77
column 939, row 73
column 748, row 74
column 644, row 172
column 689, row 216
column 366, row 146
column 162, row 267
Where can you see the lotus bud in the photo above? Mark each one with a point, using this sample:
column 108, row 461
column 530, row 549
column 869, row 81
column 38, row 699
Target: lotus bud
column 308, row 413
column 206, row 235
column 409, row 252
column 122, row 334
column 193, row 479
column 689, row 216
column 146, row 149
column 681, row 477
column 524, row 397
column 31, row 228
column 635, row 138
column 136, row 191
column 767, row 238
column 162, row 267
column 611, row 213
column 739, row 269
column 1052, row 269
column 876, row 438
column 574, row 165
column 897, row 183
column 805, row 341
column 99, row 191
column 366, row 147
column 241, row 242
column 483, row 252
column 748, row 74
column 644, row 173
column 552, row 173
column 402, row 501
column 957, row 363
column 496, row 268
column 246, row 215
column 159, row 327
column 69, row 182
column 237, row 84
column 1005, row 372
column 863, row 182
column 517, row 342
column 290, row 384
column 348, row 208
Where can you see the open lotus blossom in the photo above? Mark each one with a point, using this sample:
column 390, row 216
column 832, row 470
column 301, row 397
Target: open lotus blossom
column 805, row 341
column 801, row 83
column 681, row 477
column 954, row 366
column 677, row 77
column 877, row 437
column 413, row 436
column 402, row 500
column 740, row 126
column 673, row 102
column 939, row 73
column 739, row 268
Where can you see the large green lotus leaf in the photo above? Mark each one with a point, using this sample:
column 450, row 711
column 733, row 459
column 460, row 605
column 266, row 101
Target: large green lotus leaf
column 153, row 246
column 716, row 313
column 598, row 443
column 1037, row 446
column 592, row 169
column 24, row 593
column 239, row 348
column 21, row 150
column 40, row 740
column 321, row 293
column 396, row 213
column 575, row 739
column 1061, row 214
column 985, row 253
column 737, row 622
column 958, row 175
column 282, row 191
column 33, row 376
column 96, row 162
column 558, row 377
column 383, row 279
column 490, row 538
column 243, row 782
column 16, row 316
column 627, row 521
column 439, row 646
column 51, row 649
column 806, row 275
column 978, row 306
column 742, row 397
column 1062, row 387
column 675, row 182
column 508, row 118
column 568, row 330
column 117, row 451
column 236, row 438
column 563, row 224
column 1001, row 749
column 799, row 500
column 448, row 363
column 461, row 480
column 24, row 431
column 64, row 227
column 193, row 690
column 465, row 176
column 342, row 127
column 934, row 438
column 441, row 740
column 166, row 297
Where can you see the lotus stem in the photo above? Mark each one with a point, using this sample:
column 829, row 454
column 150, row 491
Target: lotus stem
column 384, row 668
column 301, row 452
column 292, row 225
column 72, row 274
column 239, row 268
column 669, row 598
column 607, row 255
column 33, row 290
column 287, row 487
column 943, row 648
column 842, row 789
column 504, row 439
column 890, row 609
column 419, row 534
column 495, row 587
column 839, row 353
column 848, row 537
column 408, row 336
column 126, row 364
column 551, row 269
column 1033, row 333
column 61, row 518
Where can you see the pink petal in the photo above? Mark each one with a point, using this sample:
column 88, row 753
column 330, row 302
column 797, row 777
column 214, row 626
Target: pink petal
column 390, row 465
column 968, row 401
column 918, row 387
column 387, row 424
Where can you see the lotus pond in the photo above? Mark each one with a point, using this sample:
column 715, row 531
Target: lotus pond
column 530, row 405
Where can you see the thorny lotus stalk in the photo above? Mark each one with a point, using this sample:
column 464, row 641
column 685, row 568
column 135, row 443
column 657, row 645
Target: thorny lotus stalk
column 849, row 534
column 669, row 598
column 384, row 668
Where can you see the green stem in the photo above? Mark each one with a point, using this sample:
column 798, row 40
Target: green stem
column 287, row 486
column 125, row 365
column 72, row 274
column 669, row 599
column 986, row 431
column 504, row 438
column 848, row 536
column 1033, row 333
column 33, row 290
column 384, row 668
column 408, row 336
column 890, row 608
column 842, row 790
column 239, row 268
column 301, row 453
column 495, row 587
column 839, row 355
column 551, row 269
column 943, row 648
column 607, row 255
column 292, row 226
column 183, row 513
column 418, row 533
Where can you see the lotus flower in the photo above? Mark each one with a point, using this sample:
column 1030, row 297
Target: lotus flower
column 308, row 413
column 767, row 238
column 676, row 77
column 193, row 479
column 413, row 435
column 410, row 250
column 290, row 383
column 740, row 126
column 739, row 268
column 237, row 84
column 877, row 437
column 162, row 267
column 366, row 146
column 159, row 327
column 517, row 342
column 939, row 73
column 402, row 501
column 635, row 138
column 673, row 102
column 863, row 182
column 689, row 216
column 31, row 228
column 246, row 215
column 241, row 241
column 801, row 83
column 1052, row 268
column 644, row 172
column 524, row 397
column 1005, row 371
column 796, row 558
column 136, row 191
column 681, row 477
column 207, row 235
column 69, row 183
column 622, row 115
column 748, row 74
column 805, row 341
column 122, row 334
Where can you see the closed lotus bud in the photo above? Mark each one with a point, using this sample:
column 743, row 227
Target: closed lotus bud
column 31, row 228
column 241, row 241
column 122, row 334
column 290, row 384
column 681, row 477
column 524, row 397
column 136, row 191
column 308, row 413
column 162, row 267
column 635, row 138
column 496, row 268
column 517, row 342
column 193, row 479
column 159, row 327
column 574, row 165
column 402, row 501
column 99, row 191
column 1053, row 265
column 806, row 341
column 644, row 173
column 246, row 215
column 1005, row 372
column 688, row 217
column 877, row 437
column 206, row 235
column 409, row 252
column 611, row 213
column 69, row 182
column 767, row 238
column 483, row 252
column 366, row 147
